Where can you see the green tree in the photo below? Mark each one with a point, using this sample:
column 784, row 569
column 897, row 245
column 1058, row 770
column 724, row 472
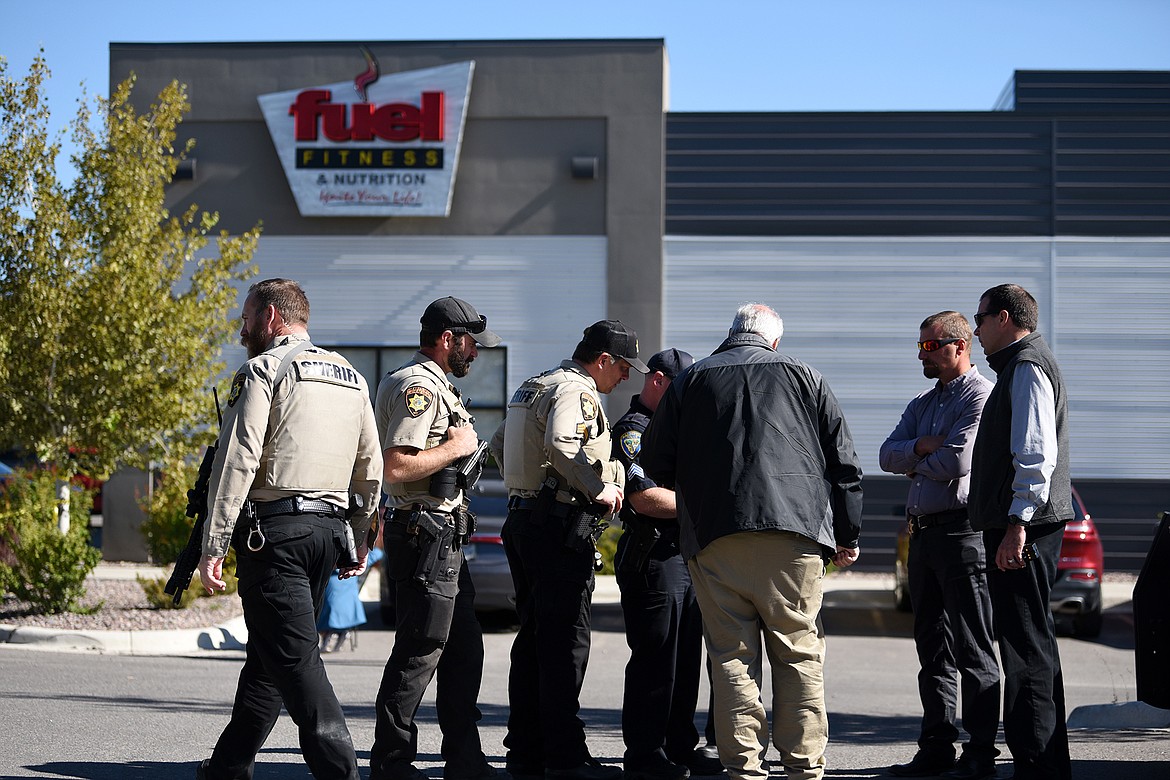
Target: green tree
column 112, row 317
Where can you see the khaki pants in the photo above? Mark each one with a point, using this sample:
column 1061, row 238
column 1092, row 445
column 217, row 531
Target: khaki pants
column 769, row 582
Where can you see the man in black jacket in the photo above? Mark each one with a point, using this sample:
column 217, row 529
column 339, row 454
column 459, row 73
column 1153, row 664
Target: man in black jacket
column 768, row 489
column 1021, row 498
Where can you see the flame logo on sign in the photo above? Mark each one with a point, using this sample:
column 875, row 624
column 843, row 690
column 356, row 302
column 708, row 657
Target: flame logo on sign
column 366, row 77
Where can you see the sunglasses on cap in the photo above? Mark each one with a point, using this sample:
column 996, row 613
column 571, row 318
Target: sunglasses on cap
column 470, row 327
column 930, row 345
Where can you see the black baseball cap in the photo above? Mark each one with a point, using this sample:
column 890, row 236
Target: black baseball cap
column 459, row 317
column 615, row 338
column 669, row 362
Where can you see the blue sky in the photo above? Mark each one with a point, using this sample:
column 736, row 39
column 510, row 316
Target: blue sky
column 736, row 55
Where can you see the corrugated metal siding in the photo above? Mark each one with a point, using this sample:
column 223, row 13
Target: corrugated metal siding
column 1113, row 324
column 912, row 174
column 538, row 292
column 856, row 174
column 1111, row 176
column 1092, row 92
column 852, row 307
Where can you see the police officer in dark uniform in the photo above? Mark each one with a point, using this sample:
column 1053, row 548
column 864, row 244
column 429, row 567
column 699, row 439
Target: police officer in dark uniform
column 298, row 441
column 663, row 626
column 555, row 454
column 426, row 436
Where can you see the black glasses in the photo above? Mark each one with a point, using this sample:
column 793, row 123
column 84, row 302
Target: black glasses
column 470, row 327
column 930, row 345
column 980, row 315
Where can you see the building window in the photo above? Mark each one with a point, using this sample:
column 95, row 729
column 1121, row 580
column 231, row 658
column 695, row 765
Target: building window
column 484, row 389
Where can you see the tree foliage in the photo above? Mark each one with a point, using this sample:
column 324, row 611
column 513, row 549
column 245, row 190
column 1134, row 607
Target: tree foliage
column 112, row 318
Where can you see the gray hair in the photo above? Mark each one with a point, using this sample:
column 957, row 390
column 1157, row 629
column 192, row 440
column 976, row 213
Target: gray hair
column 758, row 319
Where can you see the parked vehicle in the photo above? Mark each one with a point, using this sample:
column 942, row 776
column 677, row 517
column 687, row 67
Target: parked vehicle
column 486, row 560
column 1076, row 595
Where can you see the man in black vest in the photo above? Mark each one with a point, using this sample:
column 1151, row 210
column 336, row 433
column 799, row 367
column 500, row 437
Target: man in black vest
column 1021, row 498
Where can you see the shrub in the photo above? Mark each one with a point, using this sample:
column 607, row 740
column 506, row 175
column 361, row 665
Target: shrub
column 39, row 564
column 152, row 587
column 607, row 546
column 167, row 529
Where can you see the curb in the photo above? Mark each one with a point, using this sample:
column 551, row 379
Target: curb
column 1127, row 715
column 232, row 635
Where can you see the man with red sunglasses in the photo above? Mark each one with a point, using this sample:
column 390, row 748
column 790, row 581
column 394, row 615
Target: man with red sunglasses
column 932, row 445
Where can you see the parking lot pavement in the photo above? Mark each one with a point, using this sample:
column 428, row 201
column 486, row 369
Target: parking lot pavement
column 870, row 676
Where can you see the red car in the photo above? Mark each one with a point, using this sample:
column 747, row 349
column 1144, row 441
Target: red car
column 1076, row 595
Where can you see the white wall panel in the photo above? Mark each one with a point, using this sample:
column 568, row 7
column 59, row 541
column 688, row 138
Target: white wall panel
column 1113, row 321
column 852, row 307
column 538, row 292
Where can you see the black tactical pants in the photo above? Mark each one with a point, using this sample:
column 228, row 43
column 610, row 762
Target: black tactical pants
column 1033, row 684
column 436, row 631
column 953, row 636
column 282, row 586
column 664, row 630
column 554, row 594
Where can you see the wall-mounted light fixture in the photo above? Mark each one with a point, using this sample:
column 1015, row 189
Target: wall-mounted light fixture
column 584, row 167
column 186, row 170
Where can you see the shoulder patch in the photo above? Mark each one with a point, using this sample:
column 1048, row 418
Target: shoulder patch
column 237, row 386
column 418, row 400
column 631, row 442
column 588, row 407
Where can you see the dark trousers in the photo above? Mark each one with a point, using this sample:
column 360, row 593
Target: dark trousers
column 436, row 631
column 953, row 635
column 1033, row 690
column 282, row 586
column 554, row 594
column 664, row 630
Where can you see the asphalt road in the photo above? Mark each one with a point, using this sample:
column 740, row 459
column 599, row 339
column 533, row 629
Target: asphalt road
column 105, row 717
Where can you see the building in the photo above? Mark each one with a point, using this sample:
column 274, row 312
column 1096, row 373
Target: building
column 548, row 183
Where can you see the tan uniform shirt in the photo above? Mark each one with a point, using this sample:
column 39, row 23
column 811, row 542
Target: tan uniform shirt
column 555, row 423
column 313, row 435
column 415, row 407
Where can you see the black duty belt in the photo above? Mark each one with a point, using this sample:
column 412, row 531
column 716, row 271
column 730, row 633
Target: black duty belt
column 922, row 522
column 402, row 515
column 559, row 508
column 297, row 505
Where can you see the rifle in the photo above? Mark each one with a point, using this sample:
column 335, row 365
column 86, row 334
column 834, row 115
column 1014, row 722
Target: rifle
column 460, row 475
column 197, row 497
column 469, row 469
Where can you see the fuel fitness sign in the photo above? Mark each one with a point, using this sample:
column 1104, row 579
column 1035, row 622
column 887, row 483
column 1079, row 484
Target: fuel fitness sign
column 373, row 147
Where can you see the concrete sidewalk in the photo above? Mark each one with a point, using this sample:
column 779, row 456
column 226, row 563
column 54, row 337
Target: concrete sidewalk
column 869, row 595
